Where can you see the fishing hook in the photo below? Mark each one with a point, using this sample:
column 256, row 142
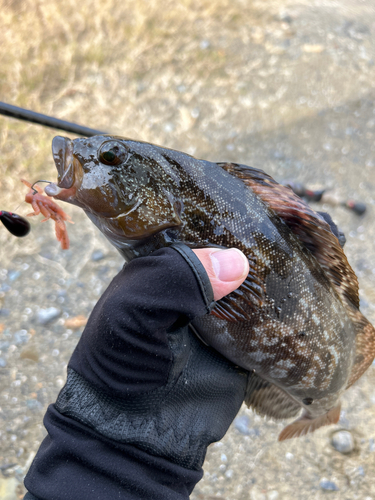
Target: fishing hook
column 36, row 182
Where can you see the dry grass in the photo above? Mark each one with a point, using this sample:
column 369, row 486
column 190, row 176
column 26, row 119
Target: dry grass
column 107, row 64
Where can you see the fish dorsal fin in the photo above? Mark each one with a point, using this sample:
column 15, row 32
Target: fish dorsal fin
column 310, row 228
column 268, row 400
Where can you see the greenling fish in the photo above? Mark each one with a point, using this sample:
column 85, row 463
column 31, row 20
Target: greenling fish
column 294, row 323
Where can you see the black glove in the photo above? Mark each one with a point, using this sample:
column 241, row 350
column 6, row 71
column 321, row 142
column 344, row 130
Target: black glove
column 144, row 396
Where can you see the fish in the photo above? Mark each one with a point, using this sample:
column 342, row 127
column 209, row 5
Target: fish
column 294, row 324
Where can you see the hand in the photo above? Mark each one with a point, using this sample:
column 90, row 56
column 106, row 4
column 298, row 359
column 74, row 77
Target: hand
column 226, row 269
column 144, row 396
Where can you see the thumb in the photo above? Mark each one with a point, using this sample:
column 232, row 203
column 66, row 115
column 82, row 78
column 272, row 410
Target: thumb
column 226, row 269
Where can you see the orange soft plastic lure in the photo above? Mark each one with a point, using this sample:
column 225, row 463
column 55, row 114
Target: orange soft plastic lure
column 44, row 205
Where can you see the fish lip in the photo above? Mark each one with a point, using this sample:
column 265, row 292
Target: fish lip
column 62, row 151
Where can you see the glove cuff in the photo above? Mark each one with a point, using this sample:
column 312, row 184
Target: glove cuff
column 200, row 273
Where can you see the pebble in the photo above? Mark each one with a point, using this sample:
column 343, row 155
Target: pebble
column 44, row 316
column 328, row 485
column 4, row 345
column 273, row 495
column 242, row 424
column 13, row 275
column 21, row 337
column 204, row 44
column 97, row 255
column 343, row 442
column 361, row 470
column 33, row 404
column 30, row 353
column 3, row 363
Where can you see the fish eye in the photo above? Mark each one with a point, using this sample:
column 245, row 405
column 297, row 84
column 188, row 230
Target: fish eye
column 112, row 153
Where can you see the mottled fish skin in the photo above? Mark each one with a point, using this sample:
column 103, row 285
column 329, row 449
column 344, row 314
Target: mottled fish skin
column 295, row 321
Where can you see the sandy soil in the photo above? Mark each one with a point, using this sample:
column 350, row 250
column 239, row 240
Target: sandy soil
column 286, row 86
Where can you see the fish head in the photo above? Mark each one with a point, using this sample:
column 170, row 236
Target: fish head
column 127, row 188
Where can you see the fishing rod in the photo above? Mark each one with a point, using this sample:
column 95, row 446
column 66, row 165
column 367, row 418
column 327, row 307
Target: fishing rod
column 20, row 227
column 46, row 121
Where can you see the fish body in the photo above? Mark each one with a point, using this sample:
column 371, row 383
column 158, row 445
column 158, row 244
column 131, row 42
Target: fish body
column 294, row 323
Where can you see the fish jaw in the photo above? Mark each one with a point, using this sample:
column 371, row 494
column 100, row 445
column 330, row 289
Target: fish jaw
column 62, row 151
column 305, row 424
column 68, row 170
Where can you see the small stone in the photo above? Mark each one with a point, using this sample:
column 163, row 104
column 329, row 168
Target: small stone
column 13, row 275
column 361, row 470
column 33, row 404
column 46, row 315
column 343, row 442
column 286, row 18
column 229, row 474
column 21, row 337
column 3, row 363
column 4, row 345
column 242, row 424
column 76, row 322
column 313, row 49
column 169, row 127
column 59, row 382
column 97, row 255
column 327, row 485
column 273, row 495
column 30, row 353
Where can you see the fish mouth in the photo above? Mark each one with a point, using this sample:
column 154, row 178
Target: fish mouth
column 62, row 151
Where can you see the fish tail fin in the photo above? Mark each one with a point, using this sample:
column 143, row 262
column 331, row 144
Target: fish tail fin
column 365, row 346
column 305, row 424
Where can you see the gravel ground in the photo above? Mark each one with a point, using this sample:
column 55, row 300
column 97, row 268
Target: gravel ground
column 285, row 86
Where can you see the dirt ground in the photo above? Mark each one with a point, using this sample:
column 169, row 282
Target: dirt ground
column 285, row 86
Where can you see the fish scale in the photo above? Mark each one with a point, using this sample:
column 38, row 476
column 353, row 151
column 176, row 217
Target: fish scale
column 294, row 324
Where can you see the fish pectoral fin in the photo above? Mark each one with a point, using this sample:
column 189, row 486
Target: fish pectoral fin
column 304, row 425
column 240, row 304
column 268, row 400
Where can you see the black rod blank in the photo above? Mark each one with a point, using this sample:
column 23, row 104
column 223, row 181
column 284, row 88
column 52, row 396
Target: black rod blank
column 47, row 121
